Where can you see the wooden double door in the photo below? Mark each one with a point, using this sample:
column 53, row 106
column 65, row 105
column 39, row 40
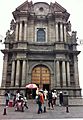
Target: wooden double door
column 41, row 76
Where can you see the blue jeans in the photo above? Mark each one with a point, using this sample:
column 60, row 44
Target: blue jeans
column 39, row 107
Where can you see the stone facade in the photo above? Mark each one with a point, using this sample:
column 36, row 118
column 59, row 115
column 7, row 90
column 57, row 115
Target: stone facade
column 39, row 41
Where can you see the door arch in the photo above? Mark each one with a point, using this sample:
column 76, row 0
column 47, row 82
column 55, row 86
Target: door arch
column 41, row 76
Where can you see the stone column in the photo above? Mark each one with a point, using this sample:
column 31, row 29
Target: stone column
column 68, row 73
column 16, row 32
column 65, row 37
column 25, row 31
column 57, row 73
column 4, row 74
column 57, row 32
column 20, row 31
column 63, row 73
column 76, row 75
column 17, row 73
column 61, row 32
column 12, row 73
column 23, row 73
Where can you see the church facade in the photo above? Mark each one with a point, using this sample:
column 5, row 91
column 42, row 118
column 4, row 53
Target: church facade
column 40, row 48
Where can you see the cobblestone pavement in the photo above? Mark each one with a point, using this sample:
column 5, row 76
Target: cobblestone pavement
column 59, row 112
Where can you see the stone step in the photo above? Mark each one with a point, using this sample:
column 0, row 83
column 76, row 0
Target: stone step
column 71, row 101
column 76, row 101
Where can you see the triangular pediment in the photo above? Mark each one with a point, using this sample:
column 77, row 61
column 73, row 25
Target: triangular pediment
column 23, row 6
column 58, row 8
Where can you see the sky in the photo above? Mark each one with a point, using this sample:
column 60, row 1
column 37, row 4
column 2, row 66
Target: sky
column 74, row 7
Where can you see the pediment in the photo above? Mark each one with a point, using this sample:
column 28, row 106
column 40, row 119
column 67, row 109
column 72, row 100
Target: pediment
column 42, row 8
column 23, row 7
column 58, row 8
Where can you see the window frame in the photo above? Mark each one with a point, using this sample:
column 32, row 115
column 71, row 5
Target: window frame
column 41, row 37
column 45, row 30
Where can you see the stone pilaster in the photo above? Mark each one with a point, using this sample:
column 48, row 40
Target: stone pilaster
column 23, row 73
column 16, row 32
column 61, row 32
column 20, row 31
column 25, row 31
column 63, row 73
column 4, row 74
column 68, row 73
column 52, row 82
column 54, row 74
column 76, row 76
column 12, row 73
column 27, row 73
column 57, row 73
column 17, row 73
column 56, row 31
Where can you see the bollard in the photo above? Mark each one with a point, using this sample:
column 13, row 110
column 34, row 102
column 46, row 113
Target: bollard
column 44, row 109
column 4, row 111
column 67, row 110
column 22, row 109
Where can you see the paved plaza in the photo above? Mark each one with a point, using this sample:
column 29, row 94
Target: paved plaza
column 59, row 112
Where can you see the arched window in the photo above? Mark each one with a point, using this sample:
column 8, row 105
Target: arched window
column 41, row 35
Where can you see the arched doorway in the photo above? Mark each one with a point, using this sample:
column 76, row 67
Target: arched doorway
column 41, row 76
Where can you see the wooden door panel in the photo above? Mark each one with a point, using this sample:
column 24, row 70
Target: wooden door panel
column 41, row 75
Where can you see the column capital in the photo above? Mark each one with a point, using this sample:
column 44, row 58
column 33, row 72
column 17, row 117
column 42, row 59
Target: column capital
column 26, row 21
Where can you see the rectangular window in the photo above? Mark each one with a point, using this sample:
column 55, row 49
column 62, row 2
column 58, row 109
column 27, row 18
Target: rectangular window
column 41, row 35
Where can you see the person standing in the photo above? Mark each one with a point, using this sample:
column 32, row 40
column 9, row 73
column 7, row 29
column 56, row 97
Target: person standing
column 50, row 100
column 25, row 102
column 45, row 99
column 7, row 96
column 61, row 98
column 54, row 96
column 17, row 95
column 39, row 102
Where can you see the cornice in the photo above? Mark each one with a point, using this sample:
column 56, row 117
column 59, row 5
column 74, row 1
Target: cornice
column 33, row 51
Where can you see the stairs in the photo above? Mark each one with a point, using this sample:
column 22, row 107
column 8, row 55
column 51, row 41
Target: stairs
column 76, row 101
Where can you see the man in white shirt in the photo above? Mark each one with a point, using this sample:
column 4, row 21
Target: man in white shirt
column 54, row 97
